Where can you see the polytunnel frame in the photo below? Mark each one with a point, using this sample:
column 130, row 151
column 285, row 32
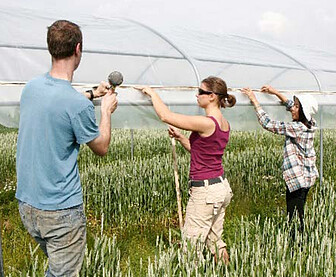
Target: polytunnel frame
column 184, row 55
column 190, row 61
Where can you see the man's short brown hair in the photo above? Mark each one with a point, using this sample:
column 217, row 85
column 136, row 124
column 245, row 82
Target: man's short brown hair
column 62, row 38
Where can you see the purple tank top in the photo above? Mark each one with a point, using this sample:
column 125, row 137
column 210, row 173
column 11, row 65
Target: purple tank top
column 207, row 152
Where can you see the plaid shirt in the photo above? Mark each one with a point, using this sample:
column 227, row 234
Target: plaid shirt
column 299, row 169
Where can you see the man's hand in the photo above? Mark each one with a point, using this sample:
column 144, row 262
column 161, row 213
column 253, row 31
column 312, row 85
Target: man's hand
column 100, row 144
column 109, row 102
column 102, row 89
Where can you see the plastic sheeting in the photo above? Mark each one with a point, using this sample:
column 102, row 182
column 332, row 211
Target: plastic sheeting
column 135, row 109
column 108, row 44
column 176, row 59
column 244, row 62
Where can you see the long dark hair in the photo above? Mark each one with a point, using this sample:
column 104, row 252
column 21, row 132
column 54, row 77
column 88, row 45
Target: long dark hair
column 302, row 117
column 218, row 86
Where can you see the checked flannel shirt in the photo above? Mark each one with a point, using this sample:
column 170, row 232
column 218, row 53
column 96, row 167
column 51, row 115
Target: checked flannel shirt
column 299, row 169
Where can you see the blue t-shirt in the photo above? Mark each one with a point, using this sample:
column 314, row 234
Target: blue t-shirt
column 54, row 120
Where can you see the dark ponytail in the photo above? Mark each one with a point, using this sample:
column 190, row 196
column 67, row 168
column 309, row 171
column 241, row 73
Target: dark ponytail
column 218, row 86
column 227, row 101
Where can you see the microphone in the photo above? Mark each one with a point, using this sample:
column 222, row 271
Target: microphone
column 115, row 79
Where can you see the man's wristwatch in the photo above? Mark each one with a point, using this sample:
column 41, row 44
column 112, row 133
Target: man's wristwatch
column 91, row 94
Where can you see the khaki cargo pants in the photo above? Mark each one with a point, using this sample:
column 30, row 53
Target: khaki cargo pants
column 205, row 214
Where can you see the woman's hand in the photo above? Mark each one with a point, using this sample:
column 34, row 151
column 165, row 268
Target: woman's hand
column 174, row 133
column 250, row 94
column 145, row 90
column 268, row 89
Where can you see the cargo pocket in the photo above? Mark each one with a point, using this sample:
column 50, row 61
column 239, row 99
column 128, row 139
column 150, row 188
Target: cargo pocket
column 220, row 192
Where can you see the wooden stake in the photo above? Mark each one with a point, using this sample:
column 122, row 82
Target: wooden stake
column 177, row 185
column 2, row 274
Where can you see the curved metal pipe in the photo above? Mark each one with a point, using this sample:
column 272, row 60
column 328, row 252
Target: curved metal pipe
column 169, row 42
column 318, row 84
column 144, row 71
column 287, row 55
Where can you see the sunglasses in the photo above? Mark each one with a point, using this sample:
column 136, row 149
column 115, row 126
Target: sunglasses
column 202, row 92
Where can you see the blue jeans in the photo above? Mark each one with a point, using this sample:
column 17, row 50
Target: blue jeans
column 61, row 235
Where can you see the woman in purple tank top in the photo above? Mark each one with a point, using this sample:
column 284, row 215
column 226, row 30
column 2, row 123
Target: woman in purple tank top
column 210, row 192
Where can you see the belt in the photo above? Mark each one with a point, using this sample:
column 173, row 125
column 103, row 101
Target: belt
column 201, row 183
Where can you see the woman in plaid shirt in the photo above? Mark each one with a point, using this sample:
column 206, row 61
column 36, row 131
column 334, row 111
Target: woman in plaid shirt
column 299, row 169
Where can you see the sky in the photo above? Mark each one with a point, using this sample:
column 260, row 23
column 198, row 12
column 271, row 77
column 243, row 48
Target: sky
column 309, row 23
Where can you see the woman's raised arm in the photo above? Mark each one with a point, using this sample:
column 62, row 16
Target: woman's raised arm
column 200, row 124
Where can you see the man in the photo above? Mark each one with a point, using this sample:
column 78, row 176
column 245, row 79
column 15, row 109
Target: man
column 54, row 120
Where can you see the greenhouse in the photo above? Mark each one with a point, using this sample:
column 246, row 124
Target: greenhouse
column 172, row 62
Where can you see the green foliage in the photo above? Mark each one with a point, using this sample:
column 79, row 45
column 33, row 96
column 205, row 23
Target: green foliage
column 130, row 203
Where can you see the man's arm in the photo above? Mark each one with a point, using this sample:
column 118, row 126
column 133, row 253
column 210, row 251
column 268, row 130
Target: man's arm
column 96, row 92
column 100, row 144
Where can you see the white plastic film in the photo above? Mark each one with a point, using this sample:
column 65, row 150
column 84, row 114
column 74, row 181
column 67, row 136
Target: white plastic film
column 135, row 109
column 178, row 59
